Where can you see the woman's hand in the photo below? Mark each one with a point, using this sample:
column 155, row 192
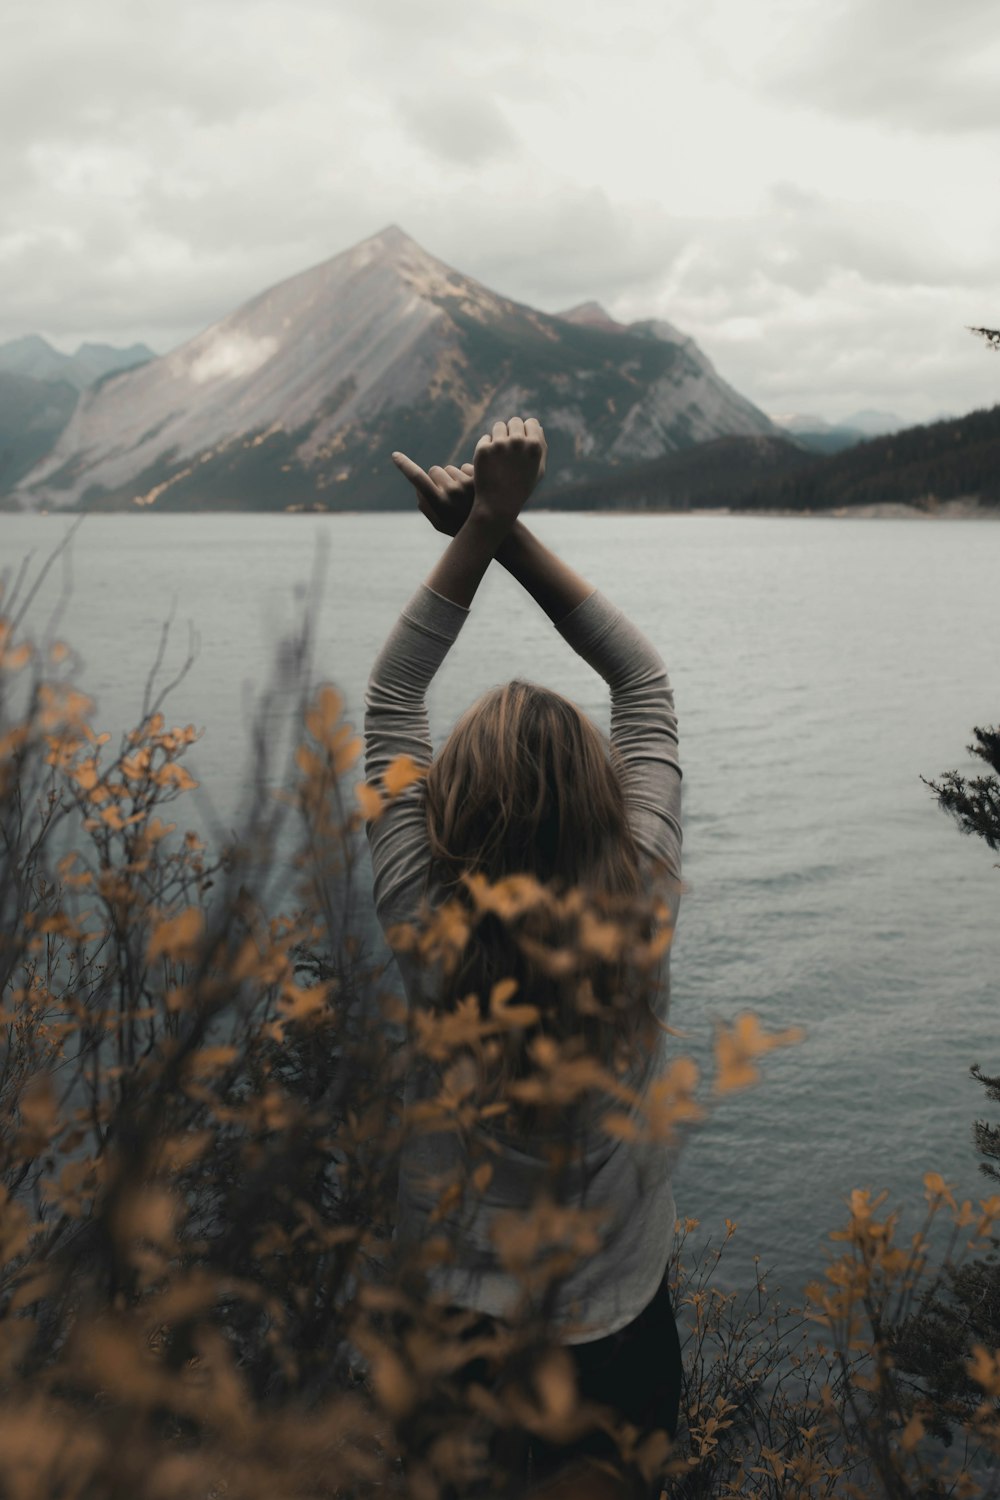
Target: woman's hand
column 507, row 465
column 444, row 494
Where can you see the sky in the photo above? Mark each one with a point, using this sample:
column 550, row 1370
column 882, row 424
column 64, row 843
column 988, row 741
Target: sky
column 809, row 188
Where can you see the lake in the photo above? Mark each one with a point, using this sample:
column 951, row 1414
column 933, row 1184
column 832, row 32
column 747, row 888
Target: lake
column 820, row 668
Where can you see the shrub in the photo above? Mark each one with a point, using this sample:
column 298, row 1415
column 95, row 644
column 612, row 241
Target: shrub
column 201, row 1125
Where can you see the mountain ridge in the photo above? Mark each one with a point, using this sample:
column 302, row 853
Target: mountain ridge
column 33, row 356
column 299, row 395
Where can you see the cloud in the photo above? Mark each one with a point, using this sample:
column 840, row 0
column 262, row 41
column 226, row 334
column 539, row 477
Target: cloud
column 916, row 64
column 734, row 166
column 457, row 126
column 853, row 340
column 553, row 242
column 802, row 239
column 225, row 358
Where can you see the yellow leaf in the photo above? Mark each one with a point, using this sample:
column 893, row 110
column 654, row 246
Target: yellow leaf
column 555, row 1382
column 177, row 937
column 308, row 761
column 620, row 1127
column 15, row 739
column 175, row 775
column 321, row 718
column 16, row 658
column 911, row 1433
column 936, row 1187
column 982, row 1368
column 369, row 801
column 736, row 1047
column 209, row 1059
column 671, row 1098
column 509, row 897
column 346, row 748
column 149, row 1214
column 136, row 766
column 156, row 829
column 394, row 1388
column 603, row 939
column 482, row 1176
column 85, row 774
column 510, row 1015
column 298, row 1002
column 39, row 1114
column 401, row 773
column 449, row 1199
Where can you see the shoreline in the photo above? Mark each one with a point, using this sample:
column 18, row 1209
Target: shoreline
column 890, row 510
column 961, row 509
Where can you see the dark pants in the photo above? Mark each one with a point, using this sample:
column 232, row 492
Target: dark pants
column 636, row 1371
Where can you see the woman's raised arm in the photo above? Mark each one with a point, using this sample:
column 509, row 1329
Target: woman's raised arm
column 507, row 465
column 549, row 581
column 643, row 719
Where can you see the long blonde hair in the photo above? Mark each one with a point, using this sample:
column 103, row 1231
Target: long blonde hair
column 526, row 784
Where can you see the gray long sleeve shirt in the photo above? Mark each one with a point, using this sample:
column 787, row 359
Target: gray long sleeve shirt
column 628, row 1181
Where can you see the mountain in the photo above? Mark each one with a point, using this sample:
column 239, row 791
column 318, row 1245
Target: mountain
column 299, row 396
column 864, row 423
column 874, row 423
column 956, row 459
column 592, row 314
column 32, row 415
column 34, row 357
column 817, row 435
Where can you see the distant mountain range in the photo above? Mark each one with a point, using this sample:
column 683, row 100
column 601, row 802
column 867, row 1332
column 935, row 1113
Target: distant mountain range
column 820, row 436
column 957, row 459
column 925, row 467
column 35, row 357
column 295, row 401
column 39, row 388
column 299, row 396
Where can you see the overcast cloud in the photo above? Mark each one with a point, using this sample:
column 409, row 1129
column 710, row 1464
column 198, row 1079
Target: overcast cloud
column 806, row 187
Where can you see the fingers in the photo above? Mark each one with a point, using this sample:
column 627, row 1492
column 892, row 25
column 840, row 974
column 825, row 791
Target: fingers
column 446, row 477
column 529, row 427
column 516, row 430
column 414, row 473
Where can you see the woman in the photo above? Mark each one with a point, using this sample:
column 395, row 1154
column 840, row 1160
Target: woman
column 525, row 784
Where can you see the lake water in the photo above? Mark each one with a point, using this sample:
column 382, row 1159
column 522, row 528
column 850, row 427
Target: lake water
column 820, row 667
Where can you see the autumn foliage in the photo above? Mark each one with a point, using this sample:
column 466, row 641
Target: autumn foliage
column 201, row 1124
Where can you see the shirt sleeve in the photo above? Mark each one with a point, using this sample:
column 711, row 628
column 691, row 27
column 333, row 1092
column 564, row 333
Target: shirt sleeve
column 396, row 724
column 643, row 724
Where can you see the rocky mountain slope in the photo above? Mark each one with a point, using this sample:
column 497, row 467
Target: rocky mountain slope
column 298, row 397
